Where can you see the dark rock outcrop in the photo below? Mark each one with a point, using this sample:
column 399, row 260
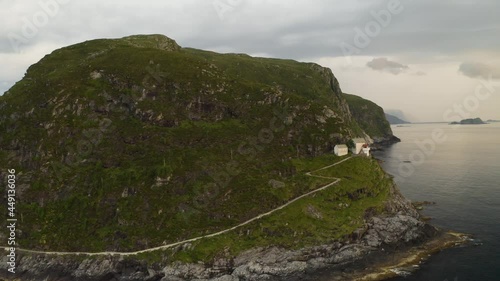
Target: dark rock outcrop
column 372, row 119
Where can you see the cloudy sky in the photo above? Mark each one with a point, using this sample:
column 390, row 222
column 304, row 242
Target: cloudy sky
column 434, row 60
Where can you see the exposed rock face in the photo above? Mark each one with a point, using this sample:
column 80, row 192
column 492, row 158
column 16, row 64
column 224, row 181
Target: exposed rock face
column 158, row 41
column 372, row 120
column 381, row 142
column 399, row 226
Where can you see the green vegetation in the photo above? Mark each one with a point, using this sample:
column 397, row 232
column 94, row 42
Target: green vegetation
column 133, row 143
column 370, row 117
column 330, row 215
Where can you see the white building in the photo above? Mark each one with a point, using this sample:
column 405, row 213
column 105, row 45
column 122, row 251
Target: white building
column 358, row 145
column 340, row 150
column 365, row 150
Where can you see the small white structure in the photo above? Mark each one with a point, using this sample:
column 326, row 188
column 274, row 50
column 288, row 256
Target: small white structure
column 340, row 150
column 365, row 150
column 358, row 145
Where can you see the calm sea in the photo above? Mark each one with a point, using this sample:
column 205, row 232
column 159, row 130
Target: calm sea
column 462, row 175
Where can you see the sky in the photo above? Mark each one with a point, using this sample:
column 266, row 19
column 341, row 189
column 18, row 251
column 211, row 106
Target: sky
column 433, row 60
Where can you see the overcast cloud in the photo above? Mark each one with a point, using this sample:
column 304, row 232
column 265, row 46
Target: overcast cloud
column 430, row 44
column 480, row 70
column 383, row 64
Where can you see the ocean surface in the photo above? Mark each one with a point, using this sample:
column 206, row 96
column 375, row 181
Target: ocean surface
column 459, row 169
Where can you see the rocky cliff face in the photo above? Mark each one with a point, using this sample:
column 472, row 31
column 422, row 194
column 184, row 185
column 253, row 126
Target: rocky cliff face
column 372, row 120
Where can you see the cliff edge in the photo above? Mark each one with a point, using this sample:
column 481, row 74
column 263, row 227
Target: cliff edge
column 125, row 145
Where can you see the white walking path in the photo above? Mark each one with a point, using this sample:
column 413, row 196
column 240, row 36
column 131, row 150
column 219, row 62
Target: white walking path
column 336, row 180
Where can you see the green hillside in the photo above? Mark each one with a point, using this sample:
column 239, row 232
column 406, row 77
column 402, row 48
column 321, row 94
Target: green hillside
column 136, row 142
column 370, row 117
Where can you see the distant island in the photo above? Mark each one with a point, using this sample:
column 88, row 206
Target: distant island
column 393, row 120
column 492, row 121
column 470, row 121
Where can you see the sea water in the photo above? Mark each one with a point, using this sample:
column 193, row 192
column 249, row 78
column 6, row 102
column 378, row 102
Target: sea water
column 460, row 172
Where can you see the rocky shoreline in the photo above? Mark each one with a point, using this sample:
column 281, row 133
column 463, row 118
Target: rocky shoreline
column 377, row 265
column 370, row 253
column 382, row 142
column 405, row 262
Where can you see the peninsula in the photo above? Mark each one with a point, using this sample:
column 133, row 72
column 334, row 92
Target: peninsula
column 138, row 159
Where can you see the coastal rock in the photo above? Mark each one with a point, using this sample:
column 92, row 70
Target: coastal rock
column 380, row 142
column 371, row 118
column 391, row 230
column 398, row 226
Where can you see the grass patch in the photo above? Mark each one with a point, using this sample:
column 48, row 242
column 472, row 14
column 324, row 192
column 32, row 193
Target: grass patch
column 327, row 216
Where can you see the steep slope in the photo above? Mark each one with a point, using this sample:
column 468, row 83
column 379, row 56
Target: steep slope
column 129, row 144
column 110, row 133
column 371, row 118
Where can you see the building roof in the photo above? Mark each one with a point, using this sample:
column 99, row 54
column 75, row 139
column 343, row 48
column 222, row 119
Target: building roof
column 341, row 146
column 359, row 140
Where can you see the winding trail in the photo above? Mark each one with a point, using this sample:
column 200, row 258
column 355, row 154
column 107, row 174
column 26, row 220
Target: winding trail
column 336, row 180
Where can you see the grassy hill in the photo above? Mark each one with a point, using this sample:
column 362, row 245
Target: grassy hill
column 136, row 142
column 370, row 117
